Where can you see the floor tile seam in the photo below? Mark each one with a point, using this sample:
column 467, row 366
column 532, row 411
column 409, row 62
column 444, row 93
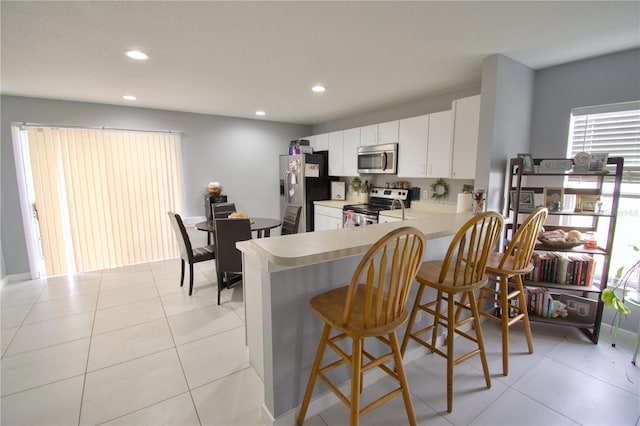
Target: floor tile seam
column 208, row 336
column 57, row 299
column 144, row 408
column 17, row 331
column 58, row 318
column 233, row 373
column 595, row 377
column 128, row 326
column 494, row 401
column 125, row 304
column 43, row 385
column 545, row 405
column 135, row 358
column 184, row 375
column 86, row 365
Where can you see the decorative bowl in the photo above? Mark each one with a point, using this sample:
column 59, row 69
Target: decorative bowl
column 559, row 244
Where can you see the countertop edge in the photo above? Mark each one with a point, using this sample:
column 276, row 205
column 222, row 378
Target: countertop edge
column 330, row 245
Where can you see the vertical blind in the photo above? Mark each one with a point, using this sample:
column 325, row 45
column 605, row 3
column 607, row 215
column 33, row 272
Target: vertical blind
column 102, row 196
column 614, row 132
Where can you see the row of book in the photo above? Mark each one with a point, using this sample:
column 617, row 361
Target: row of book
column 576, row 308
column 562, row 268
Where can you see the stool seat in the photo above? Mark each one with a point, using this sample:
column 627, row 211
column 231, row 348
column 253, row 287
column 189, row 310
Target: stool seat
column 509, row 265
column 430, row 271
column 330, row 307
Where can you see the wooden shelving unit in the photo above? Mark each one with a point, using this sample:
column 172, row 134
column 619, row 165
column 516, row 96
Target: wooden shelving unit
column 589, row 221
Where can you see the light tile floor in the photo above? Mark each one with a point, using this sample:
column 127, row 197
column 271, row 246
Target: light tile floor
column 128, row 346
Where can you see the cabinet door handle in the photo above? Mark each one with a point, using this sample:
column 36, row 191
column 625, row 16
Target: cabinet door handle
column 422, row 168
column 429, row 170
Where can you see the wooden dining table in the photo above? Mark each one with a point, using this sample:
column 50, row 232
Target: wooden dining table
column 261, row 225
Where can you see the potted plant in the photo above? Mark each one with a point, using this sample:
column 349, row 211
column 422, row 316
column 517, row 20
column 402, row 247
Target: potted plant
column 622, row 279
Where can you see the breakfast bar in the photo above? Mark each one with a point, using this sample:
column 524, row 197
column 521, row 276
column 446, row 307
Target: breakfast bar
column 281, row 274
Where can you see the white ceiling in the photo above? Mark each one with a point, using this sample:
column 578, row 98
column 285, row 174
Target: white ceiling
column 233, row 58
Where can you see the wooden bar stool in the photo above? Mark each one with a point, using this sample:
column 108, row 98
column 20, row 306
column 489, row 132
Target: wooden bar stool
column 460, row 273
column 507, row 269
column 374, row 304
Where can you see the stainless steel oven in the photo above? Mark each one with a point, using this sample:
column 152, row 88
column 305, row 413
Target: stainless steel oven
column 379, row 199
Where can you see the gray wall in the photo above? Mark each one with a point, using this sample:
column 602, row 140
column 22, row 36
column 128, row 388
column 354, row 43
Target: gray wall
column 241, row 154
column 598, row 81
column 505, row 121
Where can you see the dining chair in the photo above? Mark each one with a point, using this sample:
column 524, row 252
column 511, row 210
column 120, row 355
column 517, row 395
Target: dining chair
column 507, row 269
column 291, row 220
column 228, row 258
column 220, row 211
column 373, row 305
column 187, row 252
column 459, row 274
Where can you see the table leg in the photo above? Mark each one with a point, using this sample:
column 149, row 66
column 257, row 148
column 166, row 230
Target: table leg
column 267, row 233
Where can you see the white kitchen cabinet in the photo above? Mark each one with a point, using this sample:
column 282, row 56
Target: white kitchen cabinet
column 351, row 142
column 319, row 142
column 425, row 145
column 440, row 147
column 336, row 153
column 412, row 146
column 466, row 113
column 327, row 218
column 380, row 133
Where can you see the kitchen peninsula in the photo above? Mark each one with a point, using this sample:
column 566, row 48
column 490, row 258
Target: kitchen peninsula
column 281, row 276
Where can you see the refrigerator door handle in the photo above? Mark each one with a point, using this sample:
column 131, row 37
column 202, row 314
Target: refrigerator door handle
column 287, row 194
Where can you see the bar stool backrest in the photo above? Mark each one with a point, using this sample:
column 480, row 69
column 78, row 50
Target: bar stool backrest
column 467, row 255
column 386, row 272
column 524, row 240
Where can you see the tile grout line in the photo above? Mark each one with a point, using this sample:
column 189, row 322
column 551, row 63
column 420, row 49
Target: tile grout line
column 175, row 347
column 86, row 366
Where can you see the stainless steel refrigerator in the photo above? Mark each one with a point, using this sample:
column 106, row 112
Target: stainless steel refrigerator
column 303, row 180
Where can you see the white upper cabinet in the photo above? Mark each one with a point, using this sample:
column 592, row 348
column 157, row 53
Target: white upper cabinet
column 380, row 133
column 319, row 142
column 351, row 142
column 465, row 137
column 440, row 147
column 336, row 153
column 412, row 146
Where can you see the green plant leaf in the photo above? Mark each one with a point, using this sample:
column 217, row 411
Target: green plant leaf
column 607, row 296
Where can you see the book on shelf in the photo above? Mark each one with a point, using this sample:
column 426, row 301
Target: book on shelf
column 562, row 268
column 540, row 301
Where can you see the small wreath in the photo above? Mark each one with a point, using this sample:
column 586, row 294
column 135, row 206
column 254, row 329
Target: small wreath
column 439, row 189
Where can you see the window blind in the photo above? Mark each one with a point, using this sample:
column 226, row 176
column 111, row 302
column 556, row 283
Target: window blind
column 102, row 196
column 616, row 132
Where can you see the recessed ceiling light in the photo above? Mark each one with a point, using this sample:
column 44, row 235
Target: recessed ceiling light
column 129, row 97
column 261, row 113
column 136, row 54
column 318, row 88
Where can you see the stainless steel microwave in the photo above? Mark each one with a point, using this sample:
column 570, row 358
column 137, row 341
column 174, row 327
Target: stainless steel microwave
column 378, row 159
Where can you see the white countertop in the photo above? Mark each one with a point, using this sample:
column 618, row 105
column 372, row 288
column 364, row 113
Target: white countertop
column 314, row 247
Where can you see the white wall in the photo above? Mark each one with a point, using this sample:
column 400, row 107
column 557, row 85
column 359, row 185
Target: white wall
column 241, row 154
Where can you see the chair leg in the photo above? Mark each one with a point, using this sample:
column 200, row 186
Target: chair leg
column 504, row 307
column 314, row 374
column 182, row 272
column 190, row 278
column 480, row 338
column 525, row 313
column 402, row 378
column 412, row 320
column 436, row 321
column 220, row 283
column 356, row 370
column 450, row 354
